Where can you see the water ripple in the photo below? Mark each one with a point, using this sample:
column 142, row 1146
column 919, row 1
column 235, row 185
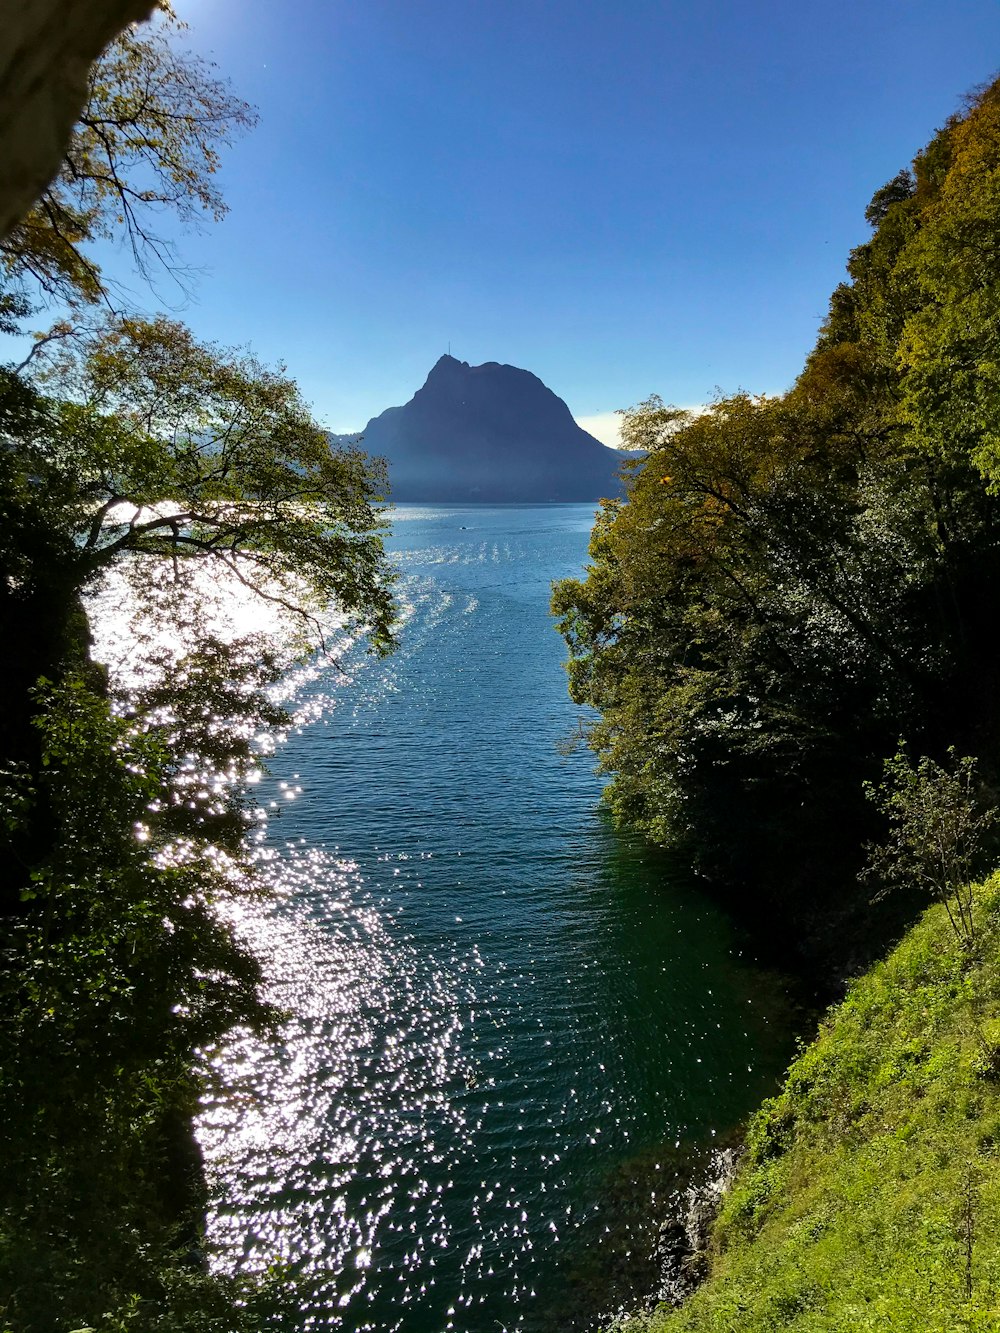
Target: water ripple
column 500, row 1015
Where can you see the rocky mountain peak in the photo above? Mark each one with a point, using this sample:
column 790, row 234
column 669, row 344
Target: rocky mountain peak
column 491, row 433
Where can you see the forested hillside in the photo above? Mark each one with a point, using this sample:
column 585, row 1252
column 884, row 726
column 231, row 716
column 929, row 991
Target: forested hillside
column 789, row 630
column 797, row 583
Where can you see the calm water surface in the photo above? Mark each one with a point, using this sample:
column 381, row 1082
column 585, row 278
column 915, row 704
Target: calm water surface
column 502, row 1016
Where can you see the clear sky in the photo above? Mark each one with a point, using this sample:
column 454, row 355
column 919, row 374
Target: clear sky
column 626, row 199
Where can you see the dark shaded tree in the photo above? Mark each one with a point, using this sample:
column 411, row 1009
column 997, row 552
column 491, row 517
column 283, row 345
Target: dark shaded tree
column 793, row 583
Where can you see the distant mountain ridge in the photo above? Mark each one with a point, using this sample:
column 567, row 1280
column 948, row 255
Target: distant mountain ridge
column 491, row 433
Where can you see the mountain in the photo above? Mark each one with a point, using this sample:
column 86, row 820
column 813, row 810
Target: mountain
column 488, row 433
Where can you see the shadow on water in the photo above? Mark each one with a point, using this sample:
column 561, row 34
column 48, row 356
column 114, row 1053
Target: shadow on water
column 703, row 1032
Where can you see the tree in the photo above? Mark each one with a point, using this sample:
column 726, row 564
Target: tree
column 949, row 351
column 147, row 143
column 117, row 970
column 795, row 582
column 938, row 839
column 128, row 447
column 162, row 452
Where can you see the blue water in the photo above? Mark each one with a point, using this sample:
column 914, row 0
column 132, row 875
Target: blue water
column 502, row 1015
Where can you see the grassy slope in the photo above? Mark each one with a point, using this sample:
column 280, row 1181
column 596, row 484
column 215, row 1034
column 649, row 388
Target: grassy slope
column 875, row 1173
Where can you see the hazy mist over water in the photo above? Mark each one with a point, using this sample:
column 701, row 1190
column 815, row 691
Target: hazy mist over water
column 502, row 1016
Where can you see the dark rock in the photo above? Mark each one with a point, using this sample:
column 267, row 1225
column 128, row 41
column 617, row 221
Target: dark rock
column 686, row 1231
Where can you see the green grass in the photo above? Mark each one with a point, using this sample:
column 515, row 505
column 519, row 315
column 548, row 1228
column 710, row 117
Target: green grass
column 869, row 1197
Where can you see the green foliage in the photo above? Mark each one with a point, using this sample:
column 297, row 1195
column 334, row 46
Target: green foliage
column 174, row 457
column 128, row 448
column 949, row 350
column 795, row 582
column 739, row 626
column 184, row 450
column 868, row 1197
column 937, row 838
column 115, row 972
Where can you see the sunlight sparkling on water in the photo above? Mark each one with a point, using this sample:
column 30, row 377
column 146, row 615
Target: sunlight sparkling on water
column 301, row 1147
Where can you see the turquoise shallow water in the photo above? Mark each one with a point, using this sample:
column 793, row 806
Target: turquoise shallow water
column 502, row 1016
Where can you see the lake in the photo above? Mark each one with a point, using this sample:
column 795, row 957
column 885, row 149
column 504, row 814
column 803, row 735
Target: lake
column 504, row 1018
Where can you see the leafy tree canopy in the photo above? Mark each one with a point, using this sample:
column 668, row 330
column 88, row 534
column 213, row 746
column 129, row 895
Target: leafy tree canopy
column 158, row 445
column 793, row 583
column 162, row 455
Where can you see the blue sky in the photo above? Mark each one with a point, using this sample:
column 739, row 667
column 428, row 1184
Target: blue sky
column 630, row 199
